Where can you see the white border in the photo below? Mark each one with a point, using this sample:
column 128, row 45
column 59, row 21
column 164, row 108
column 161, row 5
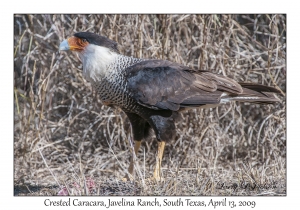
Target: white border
column 8, row 201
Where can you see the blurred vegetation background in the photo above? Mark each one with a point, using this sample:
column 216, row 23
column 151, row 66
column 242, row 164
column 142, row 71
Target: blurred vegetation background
column 63, row 134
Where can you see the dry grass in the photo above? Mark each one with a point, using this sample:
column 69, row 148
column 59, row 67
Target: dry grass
column 64, row 136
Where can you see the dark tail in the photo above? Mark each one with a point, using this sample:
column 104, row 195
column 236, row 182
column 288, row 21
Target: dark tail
column 255, row 93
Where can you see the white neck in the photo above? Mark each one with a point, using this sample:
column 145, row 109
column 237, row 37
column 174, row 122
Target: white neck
column 95, row 60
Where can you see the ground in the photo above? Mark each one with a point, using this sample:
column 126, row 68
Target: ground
column 67, row 142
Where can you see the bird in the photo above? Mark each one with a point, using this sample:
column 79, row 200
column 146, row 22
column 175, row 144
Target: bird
column 151, row 92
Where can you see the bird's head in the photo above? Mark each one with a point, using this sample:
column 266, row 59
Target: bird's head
column 96, row 53
column 80, row 41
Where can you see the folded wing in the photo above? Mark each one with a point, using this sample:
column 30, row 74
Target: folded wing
column 160, row 84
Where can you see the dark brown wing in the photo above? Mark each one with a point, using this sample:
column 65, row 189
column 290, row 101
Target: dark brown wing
column 160, row 84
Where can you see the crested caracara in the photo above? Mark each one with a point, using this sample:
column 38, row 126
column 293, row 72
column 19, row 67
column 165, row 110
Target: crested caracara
column 151, row 92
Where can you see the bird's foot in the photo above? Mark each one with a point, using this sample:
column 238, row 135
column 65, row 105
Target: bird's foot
column 152, row 179
column 127, row 178
column 155, row 178
column 124, row 179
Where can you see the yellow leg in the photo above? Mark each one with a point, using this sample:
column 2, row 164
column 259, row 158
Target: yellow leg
column 137, row 145
column 160, row 152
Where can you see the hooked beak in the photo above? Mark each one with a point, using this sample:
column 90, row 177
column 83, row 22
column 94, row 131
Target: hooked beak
column 64, row 46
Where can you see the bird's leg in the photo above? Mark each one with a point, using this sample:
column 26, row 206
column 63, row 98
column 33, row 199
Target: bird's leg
column 129, row 176
column 160, row 152
column 136, row 149
column 138, row 128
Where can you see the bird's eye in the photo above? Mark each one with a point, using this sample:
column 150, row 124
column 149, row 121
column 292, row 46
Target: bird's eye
column 83, row 40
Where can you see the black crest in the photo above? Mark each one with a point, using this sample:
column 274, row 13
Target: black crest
column 96, row 39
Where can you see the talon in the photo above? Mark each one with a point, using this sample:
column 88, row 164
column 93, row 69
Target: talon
column 127, row 177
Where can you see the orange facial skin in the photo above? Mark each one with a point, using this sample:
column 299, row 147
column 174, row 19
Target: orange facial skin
column 77, row 44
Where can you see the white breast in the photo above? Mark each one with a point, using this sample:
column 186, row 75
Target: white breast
column 95, row 60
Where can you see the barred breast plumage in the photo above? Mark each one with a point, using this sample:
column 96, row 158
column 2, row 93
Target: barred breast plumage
column 113, row 87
